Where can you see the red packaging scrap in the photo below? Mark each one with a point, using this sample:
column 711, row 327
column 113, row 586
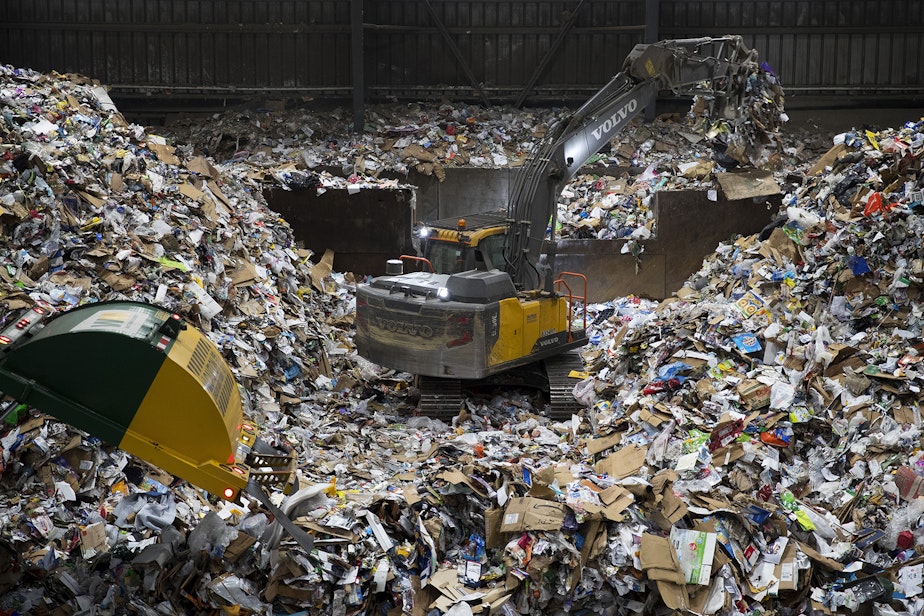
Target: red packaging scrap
column 910, row 484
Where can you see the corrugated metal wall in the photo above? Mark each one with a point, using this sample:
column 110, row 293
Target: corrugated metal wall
column 501, row 46
column 818, row 47
column 184, row 45
column 496, row 50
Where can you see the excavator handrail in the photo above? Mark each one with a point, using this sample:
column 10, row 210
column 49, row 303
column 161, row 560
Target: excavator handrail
column 559, row 282
column 415, row 258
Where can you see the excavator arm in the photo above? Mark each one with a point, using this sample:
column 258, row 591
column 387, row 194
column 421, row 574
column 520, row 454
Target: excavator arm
column 715, row 68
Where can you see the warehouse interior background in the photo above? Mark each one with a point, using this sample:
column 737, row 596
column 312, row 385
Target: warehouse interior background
column 164, row 56
column 843, row 64
column 787, row 439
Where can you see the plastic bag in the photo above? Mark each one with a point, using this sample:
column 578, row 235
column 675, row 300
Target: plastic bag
column 146, row 510
column 211, row 535
column 802, row 217
column 782, row 395
column 584, row 391
column 873, row 204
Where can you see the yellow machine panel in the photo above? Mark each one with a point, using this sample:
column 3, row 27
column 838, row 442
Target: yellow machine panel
column 523, row 325
column 147, row 383
column 194, row 377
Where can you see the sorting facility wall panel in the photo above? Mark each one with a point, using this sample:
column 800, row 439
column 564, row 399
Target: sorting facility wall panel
column 818, row 47
column 428, row 49
column 184, row 45
column 495, row 47
column 411, row 47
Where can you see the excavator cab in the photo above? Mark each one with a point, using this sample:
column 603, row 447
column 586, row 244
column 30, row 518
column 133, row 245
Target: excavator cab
column 138, row 377
column 453, row 245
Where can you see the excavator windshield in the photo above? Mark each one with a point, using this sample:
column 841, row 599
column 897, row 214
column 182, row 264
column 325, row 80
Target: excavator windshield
column 452, row 257
column 447, row 257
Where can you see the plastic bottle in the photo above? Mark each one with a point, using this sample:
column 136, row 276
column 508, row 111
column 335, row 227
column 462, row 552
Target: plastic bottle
column 868, row 589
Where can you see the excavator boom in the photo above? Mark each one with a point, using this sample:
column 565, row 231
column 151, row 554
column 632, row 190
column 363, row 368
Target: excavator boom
column 714, row 68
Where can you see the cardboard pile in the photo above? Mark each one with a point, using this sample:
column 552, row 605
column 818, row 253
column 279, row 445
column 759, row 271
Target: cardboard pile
column 750, row 446
column 692, row 151
column 394, row 139
column 306, row 148
column 781, row 389
column 95, row 208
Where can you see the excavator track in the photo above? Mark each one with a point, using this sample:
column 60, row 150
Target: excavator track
column 561, row 384
column 439, row 398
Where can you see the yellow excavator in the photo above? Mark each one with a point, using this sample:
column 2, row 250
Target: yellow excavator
column 482, row 300
column 140, row 378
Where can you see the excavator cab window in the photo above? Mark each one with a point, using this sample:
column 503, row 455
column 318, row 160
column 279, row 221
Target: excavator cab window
column 492, row 251
column 479, row 261
column 452, row 258
column 447, row 257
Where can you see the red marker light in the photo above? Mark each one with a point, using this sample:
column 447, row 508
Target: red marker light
column 229, row 493
column 5, row 340
column 247, row 427
column 38, row 310
column 238, row 470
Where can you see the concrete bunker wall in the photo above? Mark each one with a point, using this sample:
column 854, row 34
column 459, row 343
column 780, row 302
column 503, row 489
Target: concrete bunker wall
column 368, row 227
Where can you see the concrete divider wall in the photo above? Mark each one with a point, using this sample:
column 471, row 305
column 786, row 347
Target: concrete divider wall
column 366, row 228
column 464, row 191
column 688, row 226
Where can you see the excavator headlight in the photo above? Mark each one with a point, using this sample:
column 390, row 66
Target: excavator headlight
column 424, row 232
column 443, row 293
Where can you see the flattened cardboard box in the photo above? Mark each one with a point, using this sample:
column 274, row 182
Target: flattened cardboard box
column 603, row 443
column 695, row 551
column 625, row 462
column 493, row 537
column 660, row 564
column 616, row 499
column 786, row 570
column 829, row 158
column 747, row 184
column 527, row 513
column 844, row 356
